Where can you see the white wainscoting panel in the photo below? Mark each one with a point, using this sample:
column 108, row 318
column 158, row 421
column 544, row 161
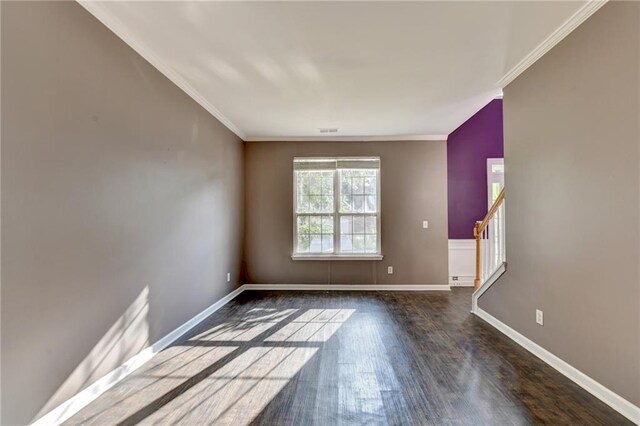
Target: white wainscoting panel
column 462, row 262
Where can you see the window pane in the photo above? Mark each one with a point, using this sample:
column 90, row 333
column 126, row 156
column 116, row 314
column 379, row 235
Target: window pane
column 327, row 184
column 358, row 224
column 315, row 234
column 315, row 183
column 370, row 186
column 315, row 191
column 303, row 234
column 346, row 245
column 370, row 243
column 346, row 205
column 303, row 203
column 315, row 204
column 357, row 185
column 371, row 204
column 370, row 225
column 495, row 191
column 303, row 243
column 302, row 182
column 315, row 245
column 327, row 204
column 345, row 186
column 303, row 224
column 346, row 224
column 358, row 203
column 315, row 224
column 358, row 243
column 327, row 225
column 327, row 243
column 358, row 234
column 354, row 185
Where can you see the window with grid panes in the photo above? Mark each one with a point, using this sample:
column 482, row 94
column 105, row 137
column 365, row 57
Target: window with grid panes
column 337, row 207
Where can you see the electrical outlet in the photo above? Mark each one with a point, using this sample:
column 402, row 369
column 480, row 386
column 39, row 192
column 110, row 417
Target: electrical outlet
column 228, row 277
column 425, row 224
column 539, row 317
column 390, row 270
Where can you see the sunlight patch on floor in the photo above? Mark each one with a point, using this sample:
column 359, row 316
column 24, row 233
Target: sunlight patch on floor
column 252, row 324
column 245, row 385
column 144, row 388
column 239, row 390
column 226, row 374
column 315, row 325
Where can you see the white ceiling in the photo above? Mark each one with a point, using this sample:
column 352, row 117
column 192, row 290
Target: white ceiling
column 282, row 70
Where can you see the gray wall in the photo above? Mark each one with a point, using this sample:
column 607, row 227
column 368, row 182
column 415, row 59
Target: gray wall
column 413, row 189
column 122, row 205
column 573, row 195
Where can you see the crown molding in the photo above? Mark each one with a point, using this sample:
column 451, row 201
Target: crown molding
column 346, row 138
column 588, row 9
column 116, row 26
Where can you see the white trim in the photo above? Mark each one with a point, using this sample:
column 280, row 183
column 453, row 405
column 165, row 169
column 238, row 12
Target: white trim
column 80, row 400
column 338, row 257
column 581, row 15
column 362, row 287
column 485, row 286
column 114, row 24
column 462, row 262
column 346, row 138
column 604, row 394
column 466, row 244
column 461, row 282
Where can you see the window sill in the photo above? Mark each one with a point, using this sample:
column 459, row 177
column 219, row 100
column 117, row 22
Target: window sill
column 336, row 257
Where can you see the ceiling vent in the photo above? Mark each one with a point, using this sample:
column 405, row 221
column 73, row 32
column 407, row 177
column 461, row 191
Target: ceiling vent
column 328, row 130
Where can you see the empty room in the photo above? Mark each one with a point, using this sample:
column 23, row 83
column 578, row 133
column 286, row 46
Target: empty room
column 319, row 212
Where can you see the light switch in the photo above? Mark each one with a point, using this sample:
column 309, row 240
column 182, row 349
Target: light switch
column 425, row 224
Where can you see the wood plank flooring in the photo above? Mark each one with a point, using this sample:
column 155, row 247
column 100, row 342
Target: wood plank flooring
column 346, row 358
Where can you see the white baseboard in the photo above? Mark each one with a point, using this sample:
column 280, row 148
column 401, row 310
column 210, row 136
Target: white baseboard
column 461, row 281
column 362, row 287
column 604, row 394
column 80, row 400
column 485, row 286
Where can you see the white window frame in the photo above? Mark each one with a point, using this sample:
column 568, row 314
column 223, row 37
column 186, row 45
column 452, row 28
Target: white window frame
column 337, row 255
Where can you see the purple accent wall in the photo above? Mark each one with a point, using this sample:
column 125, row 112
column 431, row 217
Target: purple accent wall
column 468, row 148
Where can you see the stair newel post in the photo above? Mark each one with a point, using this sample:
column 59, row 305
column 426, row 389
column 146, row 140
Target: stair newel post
column 477, row 234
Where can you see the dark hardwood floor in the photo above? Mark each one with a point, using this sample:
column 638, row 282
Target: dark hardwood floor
column 346, row 358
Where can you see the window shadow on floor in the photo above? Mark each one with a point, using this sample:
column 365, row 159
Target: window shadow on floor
column 226, row 372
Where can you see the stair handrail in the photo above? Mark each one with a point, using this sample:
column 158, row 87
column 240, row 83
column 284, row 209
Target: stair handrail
column 480, row 232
